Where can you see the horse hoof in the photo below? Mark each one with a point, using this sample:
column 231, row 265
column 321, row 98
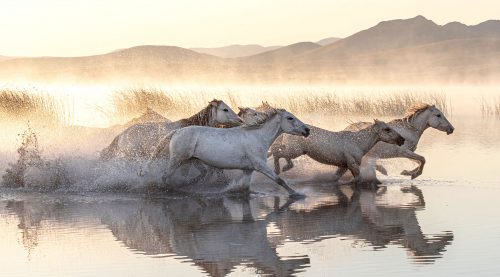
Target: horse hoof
column 382, row 170
column 405, row 172
column 413, row 176
column 297, row 195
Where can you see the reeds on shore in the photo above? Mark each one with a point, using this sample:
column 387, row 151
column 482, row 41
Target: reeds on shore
column 27, row 105
column 128, row 103
column 490, row 107
column 23, row 105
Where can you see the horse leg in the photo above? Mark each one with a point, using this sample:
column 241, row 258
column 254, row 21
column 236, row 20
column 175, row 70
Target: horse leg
column 174, row 163
column 276, row 164
column 406, row 153
column 289, row 164
column 242, row 183
column 380, row 168
column 339, row 173
column 264, row 169
column 353, row 166
column 202, row 169
column 368, row 169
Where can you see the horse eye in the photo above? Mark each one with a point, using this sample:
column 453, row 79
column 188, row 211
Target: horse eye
column 438, row 115
column 226, row 110
column 255, row 114
column 387, row 129
column 289, row 118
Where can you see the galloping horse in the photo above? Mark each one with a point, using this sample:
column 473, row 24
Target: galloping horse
column 411, row 127
column 139, row 141
column 243, row 147
column 344, row 149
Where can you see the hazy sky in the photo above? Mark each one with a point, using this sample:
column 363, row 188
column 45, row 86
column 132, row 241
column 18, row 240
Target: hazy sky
column 69, row 27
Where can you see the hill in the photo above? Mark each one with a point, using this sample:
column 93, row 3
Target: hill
column 236, row 50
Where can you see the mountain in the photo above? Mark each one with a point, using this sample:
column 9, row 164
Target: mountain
column 401, row 33
column 142, row 62
column 327, row 41
column 236, row 50
column 403, row 50
column 282, row 54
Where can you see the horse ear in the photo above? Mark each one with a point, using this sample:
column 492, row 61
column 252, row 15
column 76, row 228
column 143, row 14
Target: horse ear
column 242, row 109
column 214, row 102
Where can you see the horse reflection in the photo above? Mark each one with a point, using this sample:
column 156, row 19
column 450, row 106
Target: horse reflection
column 362, row 215
column 216, row 234
column 219, row 234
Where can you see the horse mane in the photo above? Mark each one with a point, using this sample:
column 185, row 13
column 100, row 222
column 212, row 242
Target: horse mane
column 415, row 110
column 263, row 107
column 202, row 118
column 262, row 117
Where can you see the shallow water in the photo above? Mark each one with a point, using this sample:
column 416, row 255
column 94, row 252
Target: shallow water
column 418, row 228
column 446, row 222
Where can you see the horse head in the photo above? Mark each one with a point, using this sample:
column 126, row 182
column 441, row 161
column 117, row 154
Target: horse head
column 291, row 124
column 437, row 120
column 387, row 134
column 247, row 114
column 222, row 114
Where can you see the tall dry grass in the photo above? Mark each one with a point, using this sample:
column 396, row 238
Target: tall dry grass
column 128, row 103
column 490, row 107
column 131, row 102
column 385, row 105
column 24, row 105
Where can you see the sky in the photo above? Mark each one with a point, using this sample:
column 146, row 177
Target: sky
column 76, row 28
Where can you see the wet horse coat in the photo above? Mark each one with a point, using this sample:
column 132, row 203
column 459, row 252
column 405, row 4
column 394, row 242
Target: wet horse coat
column 139, row 141
column 243, row 147
column 411, row 127
column 344, row 149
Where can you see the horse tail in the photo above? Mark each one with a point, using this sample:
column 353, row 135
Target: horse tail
column 110, row 151
column 164, row 143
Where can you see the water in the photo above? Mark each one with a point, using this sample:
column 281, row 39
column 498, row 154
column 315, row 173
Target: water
column 446, row 222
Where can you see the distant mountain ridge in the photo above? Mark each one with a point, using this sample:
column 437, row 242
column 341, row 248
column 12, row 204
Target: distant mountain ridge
column 402, row 50
column 327, row 41
column 235, row 50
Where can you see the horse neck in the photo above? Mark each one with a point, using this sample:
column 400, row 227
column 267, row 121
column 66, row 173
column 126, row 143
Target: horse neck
column 419, row 122
column 202, row 118
column 367, row 138
column 269, row 131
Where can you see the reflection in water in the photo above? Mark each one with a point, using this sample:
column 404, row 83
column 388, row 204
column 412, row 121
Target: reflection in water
column 219, row 234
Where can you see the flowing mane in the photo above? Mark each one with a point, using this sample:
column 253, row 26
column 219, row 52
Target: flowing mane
column 202, row 118
column 263, row 107
column 261, row 117
column 415, row 110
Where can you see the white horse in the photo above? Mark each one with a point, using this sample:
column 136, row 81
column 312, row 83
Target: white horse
column 139, row 140
column 411, row 127
column 243, row 147
column 343, row 149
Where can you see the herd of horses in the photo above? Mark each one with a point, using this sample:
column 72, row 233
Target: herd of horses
column 216, row 138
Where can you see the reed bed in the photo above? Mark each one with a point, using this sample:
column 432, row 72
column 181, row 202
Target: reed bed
column 379, row 105
column 24, row 105
column 490, row 107
column 128, row 103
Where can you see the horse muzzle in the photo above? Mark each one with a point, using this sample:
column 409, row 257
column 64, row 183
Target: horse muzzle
column 400, row 141
column 306, row 132
column 450, row 130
